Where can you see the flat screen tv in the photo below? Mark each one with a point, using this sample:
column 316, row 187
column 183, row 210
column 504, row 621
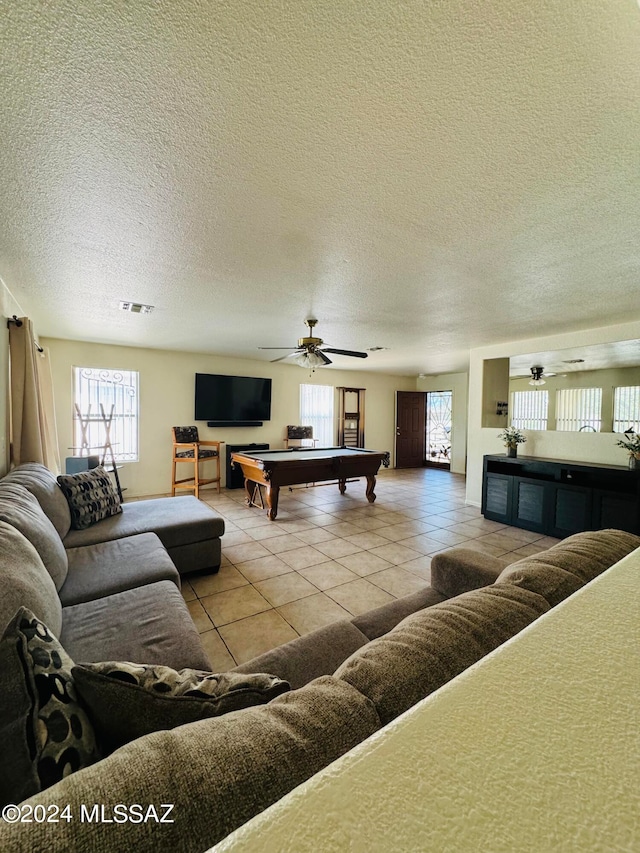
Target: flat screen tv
column 232, row 400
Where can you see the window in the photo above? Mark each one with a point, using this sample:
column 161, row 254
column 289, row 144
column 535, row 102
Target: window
column 316, row 410
column 529, row 409
column 579, row 409
column 626, row 408
column 103, row 395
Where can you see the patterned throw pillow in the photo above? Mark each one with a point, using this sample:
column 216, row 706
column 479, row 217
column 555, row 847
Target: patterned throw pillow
column 90, row 495
column 128, row 700
column 44, row 729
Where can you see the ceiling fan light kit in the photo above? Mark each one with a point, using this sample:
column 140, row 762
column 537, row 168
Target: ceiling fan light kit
column 536, row 376
column 310, row 352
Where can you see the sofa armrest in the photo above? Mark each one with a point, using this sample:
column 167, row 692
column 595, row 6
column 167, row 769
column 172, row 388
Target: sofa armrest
column 462, row 569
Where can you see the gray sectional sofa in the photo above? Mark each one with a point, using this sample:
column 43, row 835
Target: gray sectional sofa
column 111, row 591
column 348, row 681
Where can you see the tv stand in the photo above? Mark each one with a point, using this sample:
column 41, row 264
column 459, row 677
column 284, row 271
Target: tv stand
column 558, row 497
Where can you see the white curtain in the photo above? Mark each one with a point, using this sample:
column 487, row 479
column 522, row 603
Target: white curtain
column 34, row 436
column 316, row 410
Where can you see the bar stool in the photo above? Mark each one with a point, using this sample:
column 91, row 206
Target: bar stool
column 187, row 448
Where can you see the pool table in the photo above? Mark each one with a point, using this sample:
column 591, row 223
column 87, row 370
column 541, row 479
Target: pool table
column 272, row 469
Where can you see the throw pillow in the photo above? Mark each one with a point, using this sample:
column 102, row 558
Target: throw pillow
column 44, row 729
column 128, row 700
column 90, row 495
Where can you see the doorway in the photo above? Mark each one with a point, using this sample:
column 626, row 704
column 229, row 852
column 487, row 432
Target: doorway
column 438, row 429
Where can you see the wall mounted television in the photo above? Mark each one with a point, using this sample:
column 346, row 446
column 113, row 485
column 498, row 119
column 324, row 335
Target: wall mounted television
column 232, row 400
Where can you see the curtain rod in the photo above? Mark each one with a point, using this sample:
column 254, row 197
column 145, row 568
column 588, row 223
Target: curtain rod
column 18, row 323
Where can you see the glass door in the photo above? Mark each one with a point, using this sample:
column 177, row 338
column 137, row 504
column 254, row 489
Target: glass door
column 438, row 428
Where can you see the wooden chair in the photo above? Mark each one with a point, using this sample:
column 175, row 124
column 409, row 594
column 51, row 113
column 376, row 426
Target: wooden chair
column 187, row 448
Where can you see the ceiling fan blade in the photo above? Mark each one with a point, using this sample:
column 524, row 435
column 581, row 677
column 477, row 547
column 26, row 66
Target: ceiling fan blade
column 289, row 347
column 345, row 352
column 323, row 356
column 282, row 357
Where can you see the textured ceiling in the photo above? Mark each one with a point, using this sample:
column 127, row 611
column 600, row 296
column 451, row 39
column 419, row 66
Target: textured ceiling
column 421, row 176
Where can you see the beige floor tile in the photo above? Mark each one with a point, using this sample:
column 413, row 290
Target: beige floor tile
column 397, row 581
column 366, row 522
column 255, row 635
column 200, row 616
column 187, row 590
column 503, row 540
column 363, row 563
column 420, row 566
column 321, row 519
column 242, row 553
column 448, row 537
column 336, row 547
column 235, row 537
column 314, row 612
column 300, row 558
column 283, row 542
column 359, row 596
column 234, row 604
column 217, row 652
column 285, row 588
column 395, row 553
column 264, row 532
column 484, row 547
column 317, row 534
column 423, row 544
column 263, row 568
column 326, row 575
column 343, row 528
column 395, row 532
column 294, row 526
column 227, row 578
column 367, row 540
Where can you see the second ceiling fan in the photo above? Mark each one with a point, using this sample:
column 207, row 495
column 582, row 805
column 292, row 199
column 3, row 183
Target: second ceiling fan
column 310, row 351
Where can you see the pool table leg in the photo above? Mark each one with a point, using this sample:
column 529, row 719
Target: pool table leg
column 371, row 484
column 272, row 494
column 342, row 485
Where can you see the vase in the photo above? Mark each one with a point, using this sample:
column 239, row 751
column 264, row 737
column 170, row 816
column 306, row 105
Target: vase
column 634, row 463
column 512, row 452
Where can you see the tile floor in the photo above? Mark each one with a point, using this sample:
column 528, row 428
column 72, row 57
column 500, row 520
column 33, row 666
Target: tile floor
column 329, row 556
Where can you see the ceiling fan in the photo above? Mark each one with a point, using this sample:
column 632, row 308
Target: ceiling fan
column 310, row 351
column 536, row 374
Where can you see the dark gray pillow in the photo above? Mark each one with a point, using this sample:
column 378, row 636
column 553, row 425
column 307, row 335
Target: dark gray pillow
column 129, row 700
column 90, row 495
column 44, row 729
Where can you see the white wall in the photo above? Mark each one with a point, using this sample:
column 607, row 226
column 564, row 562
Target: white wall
column 577, row 447
column 534, row 748
column 458, row 384
column 167, row 398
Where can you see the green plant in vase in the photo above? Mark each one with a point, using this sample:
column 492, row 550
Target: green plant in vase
column 631, row 444
column 512, row 437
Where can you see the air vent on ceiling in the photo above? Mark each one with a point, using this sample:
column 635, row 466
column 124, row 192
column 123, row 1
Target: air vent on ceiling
column 136, row 307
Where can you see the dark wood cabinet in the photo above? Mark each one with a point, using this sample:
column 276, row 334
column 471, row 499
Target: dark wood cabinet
column 558, row 497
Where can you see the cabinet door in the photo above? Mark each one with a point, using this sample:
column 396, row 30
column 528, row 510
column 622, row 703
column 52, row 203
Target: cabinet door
column 620, row 511
column 496, row 497
column 570, row 509
column 529, row 504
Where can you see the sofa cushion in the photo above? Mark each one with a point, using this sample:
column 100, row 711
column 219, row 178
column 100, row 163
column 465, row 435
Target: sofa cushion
column 91, row 497
column 43, row 484
column 150, row 624
column 176, row 521
column 429, row 648
column 562, row 569
column 128, row 700
column 22, row 510
column 310, row 656
column 25, row 582
column 109, row 567
column 374, row 623
column 218, row 773
column 460, row 570
column 44, row 729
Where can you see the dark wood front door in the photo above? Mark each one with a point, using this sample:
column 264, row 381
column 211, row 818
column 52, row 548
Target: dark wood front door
column 410, row 429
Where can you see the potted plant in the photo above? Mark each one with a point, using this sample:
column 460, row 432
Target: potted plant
column 512, row 437
column 632, row 446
